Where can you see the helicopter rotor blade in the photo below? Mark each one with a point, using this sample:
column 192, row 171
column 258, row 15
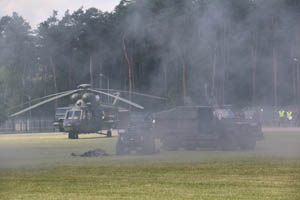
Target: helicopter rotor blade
column 135, row 93
column 37, row 99
column 119, row 98
column 115, row 101
column 44, row 102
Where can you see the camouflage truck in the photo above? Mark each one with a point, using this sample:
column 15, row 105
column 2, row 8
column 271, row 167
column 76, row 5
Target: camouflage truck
column 192, row 127
column 136, row 137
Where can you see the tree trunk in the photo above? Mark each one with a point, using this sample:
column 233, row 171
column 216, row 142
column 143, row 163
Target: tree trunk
column 91, row 70
column 254, row 65
column 100, row 70
column 214, row 63
column 129, row 68
column 70, row 72
column 275, row 76
column 54, row 77
column 183, row 69
column 165, row 80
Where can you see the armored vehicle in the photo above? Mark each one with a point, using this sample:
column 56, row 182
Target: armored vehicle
column 192, row 127
column 136, row 137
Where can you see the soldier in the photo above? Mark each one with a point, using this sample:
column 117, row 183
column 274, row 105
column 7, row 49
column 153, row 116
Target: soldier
column 289, row 116
column 281, row 113
column 297, row 119
column 3, row 114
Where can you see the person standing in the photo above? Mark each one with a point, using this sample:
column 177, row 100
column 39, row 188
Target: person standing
column 289, row 117
column 281, row 114
column 297, row 119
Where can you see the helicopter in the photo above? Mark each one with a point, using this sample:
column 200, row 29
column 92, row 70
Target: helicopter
column 88, row 114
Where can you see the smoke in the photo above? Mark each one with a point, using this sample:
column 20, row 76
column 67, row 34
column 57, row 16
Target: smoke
column 234, row 47
column 239, row 51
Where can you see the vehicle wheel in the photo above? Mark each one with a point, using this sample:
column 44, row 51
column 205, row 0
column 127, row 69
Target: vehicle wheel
column 121, row 148
column 170, row 143
column 73, row 135
column 228, row 142
column 109, row 134
column 70, row 135
column 247, row 144
column 148, row 145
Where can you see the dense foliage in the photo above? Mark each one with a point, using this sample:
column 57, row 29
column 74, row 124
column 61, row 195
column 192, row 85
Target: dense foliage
column 243, row 52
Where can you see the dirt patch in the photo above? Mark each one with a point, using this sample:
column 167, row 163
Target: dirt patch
column 92, row 153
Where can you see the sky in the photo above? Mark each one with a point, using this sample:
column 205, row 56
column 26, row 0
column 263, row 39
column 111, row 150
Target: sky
column 36, row 11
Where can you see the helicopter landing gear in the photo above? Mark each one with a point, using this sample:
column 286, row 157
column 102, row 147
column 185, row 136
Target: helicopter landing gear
column 109, row 134
column 73, row 135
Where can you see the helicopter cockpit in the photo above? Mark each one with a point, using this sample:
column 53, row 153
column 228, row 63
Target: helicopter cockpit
column 73, row 115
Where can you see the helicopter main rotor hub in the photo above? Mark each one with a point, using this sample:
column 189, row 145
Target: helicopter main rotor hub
column 84, row 86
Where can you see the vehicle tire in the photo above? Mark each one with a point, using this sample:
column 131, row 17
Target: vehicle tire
column 247, row 143
column 73, row 135
column 109, row 134
column 228, row 142
column 148, row 145
column 171, row 143
column 121, row 148
column 70, row 135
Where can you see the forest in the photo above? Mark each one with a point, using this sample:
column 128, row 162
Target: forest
column 242, row 52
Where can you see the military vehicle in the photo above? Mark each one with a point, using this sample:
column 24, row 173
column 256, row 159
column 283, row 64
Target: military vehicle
column 88, row 114
column 137, row 137
column 192, row 127
column 59, row 118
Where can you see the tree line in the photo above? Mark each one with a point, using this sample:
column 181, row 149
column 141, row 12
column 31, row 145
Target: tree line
column 242, row 52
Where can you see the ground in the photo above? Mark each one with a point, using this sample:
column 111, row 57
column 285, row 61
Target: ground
column 40, row 166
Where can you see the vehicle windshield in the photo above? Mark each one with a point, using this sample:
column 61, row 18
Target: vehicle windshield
column 77, row 115
column 73, row 114
column 224, row 113
column 60, row 111
column 69, row 115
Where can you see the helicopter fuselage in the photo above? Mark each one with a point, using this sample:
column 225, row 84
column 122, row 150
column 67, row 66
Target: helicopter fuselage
column 85, row 119
column 82, row 120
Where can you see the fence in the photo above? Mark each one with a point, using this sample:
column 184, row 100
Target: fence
column 27, row 125
column 269, row 115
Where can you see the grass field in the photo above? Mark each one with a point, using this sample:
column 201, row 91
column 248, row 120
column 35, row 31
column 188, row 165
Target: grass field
column 41, row 167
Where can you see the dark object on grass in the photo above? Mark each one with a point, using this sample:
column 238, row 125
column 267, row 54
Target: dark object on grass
column 93, row 153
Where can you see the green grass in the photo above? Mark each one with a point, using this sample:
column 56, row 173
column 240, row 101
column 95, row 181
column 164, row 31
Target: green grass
column 40, row 167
